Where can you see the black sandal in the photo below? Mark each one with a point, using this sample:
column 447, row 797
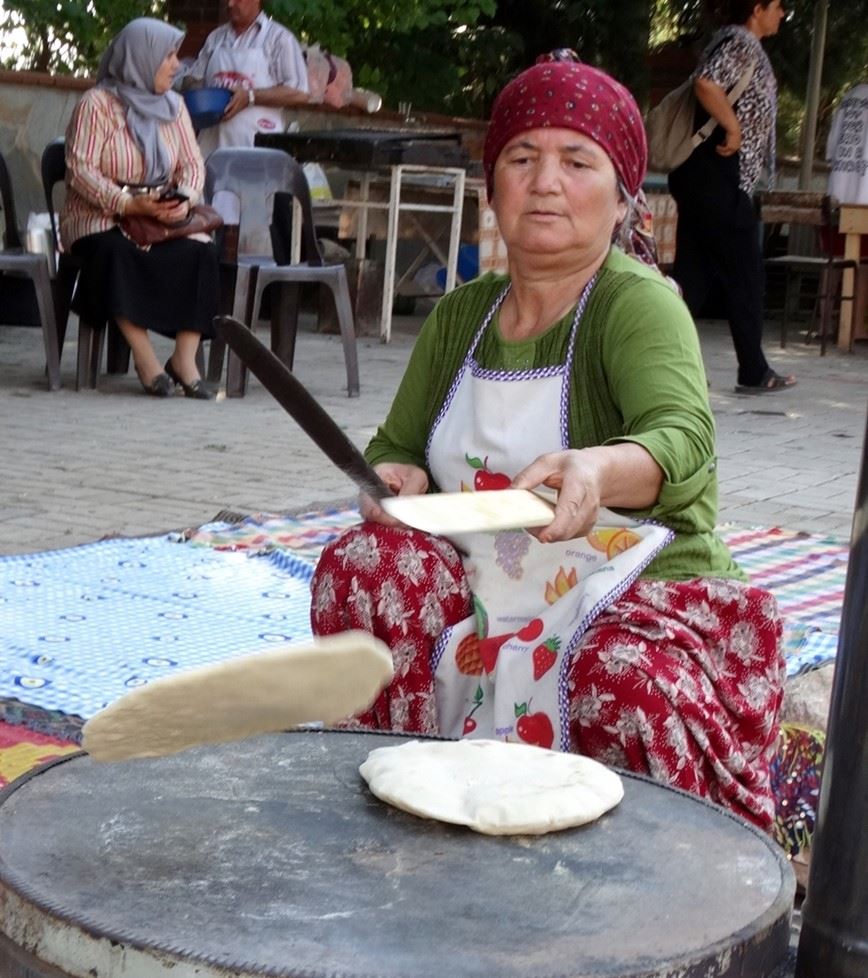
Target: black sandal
column 771, row 382
column 197, row 389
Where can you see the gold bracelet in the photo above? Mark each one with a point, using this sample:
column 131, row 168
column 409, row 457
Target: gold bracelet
column 251, row 97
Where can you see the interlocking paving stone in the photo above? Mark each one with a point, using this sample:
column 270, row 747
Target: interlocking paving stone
column 79, row 465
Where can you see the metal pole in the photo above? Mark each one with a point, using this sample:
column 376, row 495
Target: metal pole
column 812, row 101
column 834, row 938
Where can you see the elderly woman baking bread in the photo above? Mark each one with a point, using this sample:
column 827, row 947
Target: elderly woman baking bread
column 127, row 133
column 623, row 630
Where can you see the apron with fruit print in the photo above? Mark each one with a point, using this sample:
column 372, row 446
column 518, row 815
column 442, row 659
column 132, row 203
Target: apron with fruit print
column 502, row 673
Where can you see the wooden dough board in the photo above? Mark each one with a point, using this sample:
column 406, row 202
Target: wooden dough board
column 471, row 512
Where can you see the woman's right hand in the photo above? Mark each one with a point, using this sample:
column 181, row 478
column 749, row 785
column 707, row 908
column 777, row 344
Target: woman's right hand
column 167, row 211
column 403, row 480
column 732, row 142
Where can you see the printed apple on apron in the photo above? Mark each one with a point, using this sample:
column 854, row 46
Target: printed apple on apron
column 502, row 672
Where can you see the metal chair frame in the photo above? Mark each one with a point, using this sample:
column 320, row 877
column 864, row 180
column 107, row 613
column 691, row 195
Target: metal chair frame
column 818, row 212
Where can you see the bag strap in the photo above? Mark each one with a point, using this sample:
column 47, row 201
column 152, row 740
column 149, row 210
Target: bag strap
column 732, row 97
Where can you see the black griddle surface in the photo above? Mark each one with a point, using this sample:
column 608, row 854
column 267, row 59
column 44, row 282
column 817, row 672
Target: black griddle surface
column 271, row 857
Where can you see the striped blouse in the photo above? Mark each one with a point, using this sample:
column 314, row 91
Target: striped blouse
column 101, row 155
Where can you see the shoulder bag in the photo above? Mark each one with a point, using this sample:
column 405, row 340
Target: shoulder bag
column 671, row 136
column 145, row 230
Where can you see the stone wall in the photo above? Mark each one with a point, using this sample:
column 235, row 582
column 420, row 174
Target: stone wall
column 36, row 108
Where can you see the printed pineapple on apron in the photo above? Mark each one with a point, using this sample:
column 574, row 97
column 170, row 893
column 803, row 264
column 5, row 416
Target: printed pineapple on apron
column 502, row 672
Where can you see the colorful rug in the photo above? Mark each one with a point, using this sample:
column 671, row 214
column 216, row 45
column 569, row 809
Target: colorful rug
column 22, row 749
column 806, row 573
column 305, row 534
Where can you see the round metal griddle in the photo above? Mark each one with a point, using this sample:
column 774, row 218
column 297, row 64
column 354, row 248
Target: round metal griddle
column 270, row 857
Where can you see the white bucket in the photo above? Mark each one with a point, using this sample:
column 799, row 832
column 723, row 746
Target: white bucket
column 38, row 240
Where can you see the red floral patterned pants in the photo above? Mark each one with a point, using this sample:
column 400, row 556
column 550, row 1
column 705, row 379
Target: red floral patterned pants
column 681, row 680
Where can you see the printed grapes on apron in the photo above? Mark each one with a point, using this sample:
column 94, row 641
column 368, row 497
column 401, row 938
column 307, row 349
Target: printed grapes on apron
column 502, row 672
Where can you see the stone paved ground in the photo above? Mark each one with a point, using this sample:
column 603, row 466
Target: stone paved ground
column 79, row 466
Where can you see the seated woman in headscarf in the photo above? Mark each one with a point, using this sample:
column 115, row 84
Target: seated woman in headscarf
column 127, row 133
column 623, row 630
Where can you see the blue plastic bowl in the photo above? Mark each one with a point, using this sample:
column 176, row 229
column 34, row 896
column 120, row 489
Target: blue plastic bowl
column 468, row 265
column 206, row 105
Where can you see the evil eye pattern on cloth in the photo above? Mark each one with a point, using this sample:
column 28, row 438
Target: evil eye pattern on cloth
column 83, row 626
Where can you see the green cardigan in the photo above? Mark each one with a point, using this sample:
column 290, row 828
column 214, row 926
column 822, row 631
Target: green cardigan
column 637, row 376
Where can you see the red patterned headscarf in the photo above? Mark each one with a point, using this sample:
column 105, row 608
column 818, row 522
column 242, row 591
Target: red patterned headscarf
column 566, row 94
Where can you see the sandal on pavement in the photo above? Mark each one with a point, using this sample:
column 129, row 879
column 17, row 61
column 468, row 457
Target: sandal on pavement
column 769, row 384
column 160, row 386
column 196, row 389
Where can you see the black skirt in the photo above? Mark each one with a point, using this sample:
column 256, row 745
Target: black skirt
column 171, row 287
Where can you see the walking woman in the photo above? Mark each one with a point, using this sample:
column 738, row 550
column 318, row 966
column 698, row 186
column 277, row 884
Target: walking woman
column 717, row 240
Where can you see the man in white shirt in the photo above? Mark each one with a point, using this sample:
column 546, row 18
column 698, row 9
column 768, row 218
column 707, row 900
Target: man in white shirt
column 847, row 148
column 262, row 63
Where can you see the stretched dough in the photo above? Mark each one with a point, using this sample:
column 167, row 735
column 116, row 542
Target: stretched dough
column 329, row 679
column 491, row 786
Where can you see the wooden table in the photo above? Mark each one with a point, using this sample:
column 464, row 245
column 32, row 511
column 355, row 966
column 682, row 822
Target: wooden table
column 853, row 222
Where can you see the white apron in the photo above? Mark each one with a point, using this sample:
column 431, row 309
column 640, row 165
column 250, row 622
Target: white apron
column 232, row 66
column 502, row 673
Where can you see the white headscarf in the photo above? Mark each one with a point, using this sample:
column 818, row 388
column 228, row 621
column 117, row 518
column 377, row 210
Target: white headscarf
column 127, row 69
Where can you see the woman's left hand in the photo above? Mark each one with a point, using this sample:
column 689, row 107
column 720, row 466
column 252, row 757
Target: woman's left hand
column 172, row 211
column 577, row 477
column 167, row 211
column 732, row 144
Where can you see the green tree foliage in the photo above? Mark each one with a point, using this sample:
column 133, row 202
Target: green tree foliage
column 845, row 63
column 407, row 50
column 68, row 36
column 454, row 55
column 609, row 33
